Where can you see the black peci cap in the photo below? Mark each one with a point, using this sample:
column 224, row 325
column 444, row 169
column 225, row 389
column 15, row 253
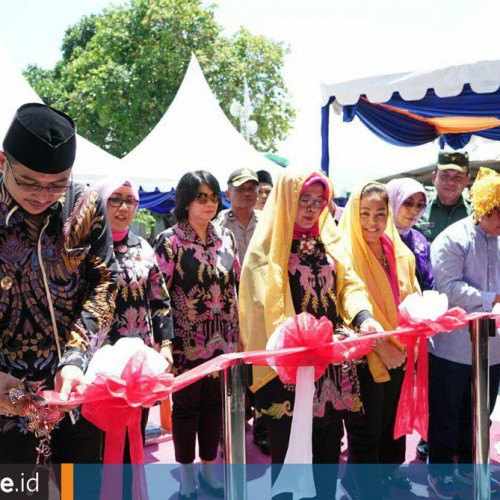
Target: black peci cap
column 42, row 139
column 265, row 176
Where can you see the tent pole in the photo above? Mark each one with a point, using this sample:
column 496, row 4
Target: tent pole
column 480, row 330
column 233, row 400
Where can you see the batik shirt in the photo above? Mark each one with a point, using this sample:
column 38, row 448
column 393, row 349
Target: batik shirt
column 142, row 302
column 72, row 248
column 201, row 279
column 311, row 273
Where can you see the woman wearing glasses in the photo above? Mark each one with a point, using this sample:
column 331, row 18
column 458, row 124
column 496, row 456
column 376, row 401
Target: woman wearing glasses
column 296, row 263
column 200, row 265
column 142, row 302
column 409, row 201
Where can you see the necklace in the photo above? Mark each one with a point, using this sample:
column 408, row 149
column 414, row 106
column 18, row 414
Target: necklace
column 383, row 260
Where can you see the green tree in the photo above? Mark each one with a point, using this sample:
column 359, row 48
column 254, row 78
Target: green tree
column 121, row 69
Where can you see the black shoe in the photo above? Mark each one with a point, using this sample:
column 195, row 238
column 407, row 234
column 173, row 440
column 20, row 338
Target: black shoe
column 191, row 496
column 398, row 480
column 215, row 492
column 264, row 447
column 262, row 443
column 422, row 450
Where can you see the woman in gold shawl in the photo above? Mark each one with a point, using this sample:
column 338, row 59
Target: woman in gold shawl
column 387, row 268
column 296, row 263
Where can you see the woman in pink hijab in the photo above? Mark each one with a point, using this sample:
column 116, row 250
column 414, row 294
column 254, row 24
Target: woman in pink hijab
column 142, row 302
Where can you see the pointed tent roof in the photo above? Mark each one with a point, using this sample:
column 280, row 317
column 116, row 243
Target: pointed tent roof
column 91, row 161
column 193, row 134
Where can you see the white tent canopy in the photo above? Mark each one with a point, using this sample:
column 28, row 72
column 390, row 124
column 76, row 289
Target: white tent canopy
column 91, row 161
column 384, row 159
column 483, row 77
column 193, row 134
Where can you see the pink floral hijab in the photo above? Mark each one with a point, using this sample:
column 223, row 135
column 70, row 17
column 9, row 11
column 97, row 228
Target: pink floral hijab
column 299, row 232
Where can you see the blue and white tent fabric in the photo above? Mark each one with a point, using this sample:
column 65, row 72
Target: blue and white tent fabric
column 411, row 109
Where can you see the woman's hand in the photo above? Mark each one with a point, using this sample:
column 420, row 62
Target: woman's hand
column 166, row 352
column 370, row 325
column 391, row 356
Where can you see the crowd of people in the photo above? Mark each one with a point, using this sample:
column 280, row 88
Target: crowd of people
column 74, row 276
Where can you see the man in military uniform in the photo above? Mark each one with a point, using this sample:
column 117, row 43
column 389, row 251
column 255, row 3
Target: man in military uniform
column 57, row 280
column 242, row 217
column 449, row 205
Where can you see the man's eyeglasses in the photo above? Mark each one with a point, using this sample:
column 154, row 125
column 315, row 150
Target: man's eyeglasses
column 310, row 202
column 35, row 188
column 203, row 198
column 118, row 202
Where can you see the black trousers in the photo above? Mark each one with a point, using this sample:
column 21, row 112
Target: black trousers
column 450, row 413
column 326, row 442
column 197, row 410
column 370, row 434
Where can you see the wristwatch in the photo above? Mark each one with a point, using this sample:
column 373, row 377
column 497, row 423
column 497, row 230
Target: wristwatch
column 166, row 343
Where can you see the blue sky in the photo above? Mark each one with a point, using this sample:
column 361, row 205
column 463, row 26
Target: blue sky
column 331, row 40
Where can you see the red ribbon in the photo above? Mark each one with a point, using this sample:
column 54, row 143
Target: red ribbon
column 413, row 406
column 113, row 404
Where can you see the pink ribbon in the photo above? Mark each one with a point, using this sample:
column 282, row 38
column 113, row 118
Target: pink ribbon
column 114, row 404
column 413, row 406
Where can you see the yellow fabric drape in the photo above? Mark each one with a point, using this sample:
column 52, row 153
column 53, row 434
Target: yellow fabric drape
column 264, row 295
column 373, row 275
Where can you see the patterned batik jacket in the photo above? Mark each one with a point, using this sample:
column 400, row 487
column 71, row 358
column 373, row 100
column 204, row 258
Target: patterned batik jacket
column 311, row 272
column 142, row 302
column 202, row 283
column 57, row 284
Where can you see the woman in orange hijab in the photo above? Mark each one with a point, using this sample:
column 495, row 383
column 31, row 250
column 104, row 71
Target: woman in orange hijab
column 387, row 268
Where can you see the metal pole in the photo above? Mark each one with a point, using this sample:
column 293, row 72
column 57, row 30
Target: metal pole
column 480, row 330
column 233, row 401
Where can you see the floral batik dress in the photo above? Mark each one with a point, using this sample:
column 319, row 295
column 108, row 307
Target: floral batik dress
column 201, row 279
column 142, row 303
column 311, row 273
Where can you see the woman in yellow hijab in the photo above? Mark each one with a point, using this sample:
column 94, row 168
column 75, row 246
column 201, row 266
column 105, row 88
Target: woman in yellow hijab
column 296, row 263
column 387, row 268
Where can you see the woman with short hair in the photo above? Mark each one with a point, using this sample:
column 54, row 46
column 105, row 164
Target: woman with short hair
column 200, row 264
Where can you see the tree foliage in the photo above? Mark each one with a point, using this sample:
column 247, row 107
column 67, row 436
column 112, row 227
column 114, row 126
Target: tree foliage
column 121, row 69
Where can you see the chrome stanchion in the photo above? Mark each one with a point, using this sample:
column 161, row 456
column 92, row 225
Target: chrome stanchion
column 480, row 330
column 233, row 399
